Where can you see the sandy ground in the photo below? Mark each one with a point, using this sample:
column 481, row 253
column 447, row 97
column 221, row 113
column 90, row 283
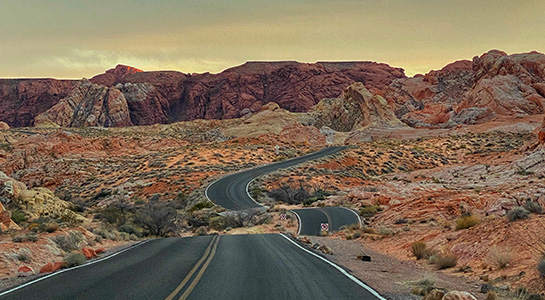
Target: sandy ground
column 392, row 278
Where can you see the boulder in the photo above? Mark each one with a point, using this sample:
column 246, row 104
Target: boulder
column 89, row 253
column 25, row 271
column 4, row 126
column 6, row 223
column 435, row 294
column 51, row 267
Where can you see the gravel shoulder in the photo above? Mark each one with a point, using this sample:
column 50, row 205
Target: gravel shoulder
column 391, row 277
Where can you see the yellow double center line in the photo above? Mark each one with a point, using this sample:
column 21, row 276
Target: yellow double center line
column 213, row 245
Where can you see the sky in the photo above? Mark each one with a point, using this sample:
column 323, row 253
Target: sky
column 75, row 39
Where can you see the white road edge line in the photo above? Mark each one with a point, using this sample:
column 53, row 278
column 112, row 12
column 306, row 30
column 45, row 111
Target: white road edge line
column 356, row 280
column 298, row 220
column 248, row 193
column 353, row 212
column 70, row 269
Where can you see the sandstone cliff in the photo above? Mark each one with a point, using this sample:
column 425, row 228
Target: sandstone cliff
column 355, row 109
column 88, row 105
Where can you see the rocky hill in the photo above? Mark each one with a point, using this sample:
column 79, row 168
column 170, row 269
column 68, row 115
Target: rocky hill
column 493, row 85
column 143, row 98
column 465, row 92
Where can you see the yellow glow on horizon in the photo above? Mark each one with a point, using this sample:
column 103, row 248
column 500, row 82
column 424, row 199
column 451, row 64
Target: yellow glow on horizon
column 64, row 39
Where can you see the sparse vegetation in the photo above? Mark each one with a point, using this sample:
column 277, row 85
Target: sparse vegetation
column 533, row 207
column 466, row 222
column 445, row 261
column 70, row 242
column 158, row 219
column 30, row 237
column 541, row 267
column 369, row 211
column 517, row 213
column 421, row 251
column 74, row 259
column 500, row 256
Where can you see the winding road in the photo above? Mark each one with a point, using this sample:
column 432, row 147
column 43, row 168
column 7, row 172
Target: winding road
column 260, row 266
column 231, row 192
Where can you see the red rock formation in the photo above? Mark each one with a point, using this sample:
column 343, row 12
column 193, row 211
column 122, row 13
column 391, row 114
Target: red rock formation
column 25, row 271
column 541, row 132
column 88, row 105
column 21, row 100
column 472, row 92
column 356, row 108
column 115, row 75
column 51, row 267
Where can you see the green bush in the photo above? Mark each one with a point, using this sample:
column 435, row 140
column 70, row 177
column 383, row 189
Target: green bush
column 466, row 222
column 19, row 216
column 517, row 213
column 369, row 211
column 74, row 259
column 201, row 205
column 533, row 207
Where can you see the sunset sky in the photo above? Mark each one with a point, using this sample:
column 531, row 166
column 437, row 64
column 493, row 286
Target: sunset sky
column 75, row 39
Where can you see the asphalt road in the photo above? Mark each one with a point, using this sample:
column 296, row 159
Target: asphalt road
column 208, row 267
column 230, row 191
column 335, row 217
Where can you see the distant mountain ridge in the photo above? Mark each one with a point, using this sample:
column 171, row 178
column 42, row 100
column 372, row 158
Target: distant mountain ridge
column 463, row 92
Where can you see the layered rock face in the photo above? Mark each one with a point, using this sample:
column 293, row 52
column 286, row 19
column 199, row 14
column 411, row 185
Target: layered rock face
column 21, row 100
column 494, row 84
column 169, row 96
column 355, row 109
column 88, row 105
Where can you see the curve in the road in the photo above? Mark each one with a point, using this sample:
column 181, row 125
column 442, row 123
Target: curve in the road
column 231, row 192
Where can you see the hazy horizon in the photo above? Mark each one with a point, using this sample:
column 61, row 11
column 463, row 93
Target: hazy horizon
column 64, row 39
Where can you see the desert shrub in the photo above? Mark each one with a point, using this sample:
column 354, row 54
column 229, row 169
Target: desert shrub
column 352, row 235
column 466, row 222
column 520, row 293
column 491, row 295
column 201, row 205
column 220, row 223
column 369, row 211
column 369, row 230
column 401, row 221
column 445, row 261
column 49, row 227
column 157, row 218
column 69, row 242
column 256, row 193
column 517, row 213
column 130, row 229
column 500, row 256
column 541, row 267
column 74, row 259
column 421, row 251
column 383, row 230
column 533, row 207
column 19, row 216
column 248, row 217
column 24, row 254
column 30, row 237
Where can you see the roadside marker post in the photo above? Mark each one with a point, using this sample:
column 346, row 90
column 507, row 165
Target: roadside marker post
column 324, row 226
column 282, row 217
